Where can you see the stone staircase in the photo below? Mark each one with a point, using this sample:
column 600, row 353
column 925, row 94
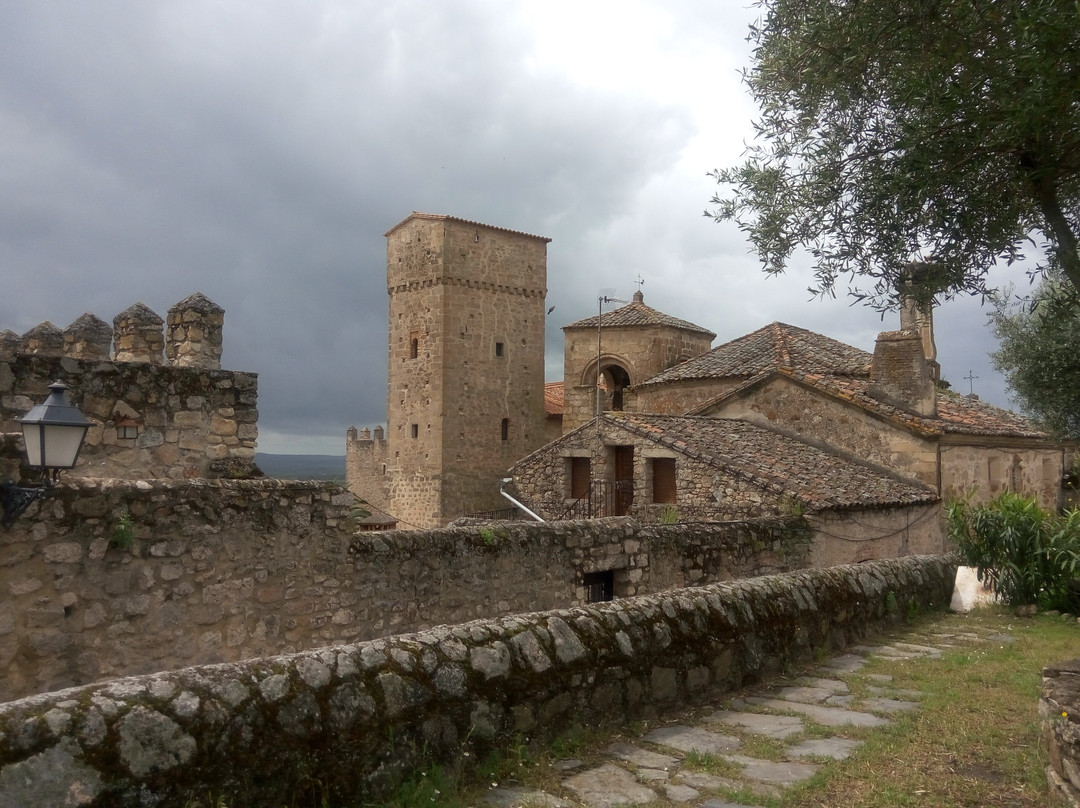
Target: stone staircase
column 701, row 763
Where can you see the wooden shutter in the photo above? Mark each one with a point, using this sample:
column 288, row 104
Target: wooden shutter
column 580, row 472
column 663, row 479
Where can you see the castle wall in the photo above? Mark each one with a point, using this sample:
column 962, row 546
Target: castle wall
column 184, row 422
column 112, row 578
column 344, row 723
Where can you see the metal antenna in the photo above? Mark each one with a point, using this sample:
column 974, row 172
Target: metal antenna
column 604, row 297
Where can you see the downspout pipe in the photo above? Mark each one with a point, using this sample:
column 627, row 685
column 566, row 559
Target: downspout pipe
column 516, row 503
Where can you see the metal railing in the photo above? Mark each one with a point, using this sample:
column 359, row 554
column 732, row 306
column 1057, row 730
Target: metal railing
column 605, row 498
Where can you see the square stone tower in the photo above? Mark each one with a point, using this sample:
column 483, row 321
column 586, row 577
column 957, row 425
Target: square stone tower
column 465, row 397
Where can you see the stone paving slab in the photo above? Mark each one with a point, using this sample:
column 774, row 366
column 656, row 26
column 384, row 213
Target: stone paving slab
column 889, row 705
column 518, row 797
column 809, row 695
column 641, row 757
column 835, row 685
column 711, row 782
column 836, row 748
column 693, row 739
column 827, row 716
column 845, row 663
column 637, row 776
column 777, row 727
column 781, row 773
column 608, row 785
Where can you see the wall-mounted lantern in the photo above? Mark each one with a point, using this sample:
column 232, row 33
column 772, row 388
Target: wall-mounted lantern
column 53, row 433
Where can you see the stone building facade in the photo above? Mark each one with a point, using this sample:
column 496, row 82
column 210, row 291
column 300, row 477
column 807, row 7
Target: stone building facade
column 628, row 345
column 659, row 468
column 161, row 407
column 465, row 395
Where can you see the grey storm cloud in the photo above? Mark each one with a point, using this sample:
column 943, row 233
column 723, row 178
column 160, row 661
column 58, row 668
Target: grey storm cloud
column 257, row 152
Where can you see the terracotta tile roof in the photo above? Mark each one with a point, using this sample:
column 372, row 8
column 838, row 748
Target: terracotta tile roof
column 553, row 398
column 638, row 314
column 956, row 414
column 775, row 346
column 777, row 462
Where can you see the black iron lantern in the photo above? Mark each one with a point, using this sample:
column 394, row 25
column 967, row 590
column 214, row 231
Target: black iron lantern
column 53, row 433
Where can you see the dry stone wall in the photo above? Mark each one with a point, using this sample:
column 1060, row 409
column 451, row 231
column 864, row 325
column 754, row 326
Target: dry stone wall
column 218, row 571
column 342, row 723
column 1059, row 709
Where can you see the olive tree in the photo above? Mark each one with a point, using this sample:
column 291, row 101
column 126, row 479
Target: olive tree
column 1039, row 353
column 891, row 132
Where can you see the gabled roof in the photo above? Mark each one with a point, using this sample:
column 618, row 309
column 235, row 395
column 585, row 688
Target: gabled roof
column 637, row 313
column 777, row 345
column 553, row 398
column 776, row 461
column 443, row 217
column 956, row 414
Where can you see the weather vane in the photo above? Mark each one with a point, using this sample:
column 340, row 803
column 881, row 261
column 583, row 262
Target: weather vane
column 640, row 281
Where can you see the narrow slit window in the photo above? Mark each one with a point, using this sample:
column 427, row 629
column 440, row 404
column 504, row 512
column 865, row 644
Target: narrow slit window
column 505, row 428
column 498, row 349
column 416, row 430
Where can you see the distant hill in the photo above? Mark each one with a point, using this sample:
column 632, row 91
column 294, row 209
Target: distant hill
column 302, row 467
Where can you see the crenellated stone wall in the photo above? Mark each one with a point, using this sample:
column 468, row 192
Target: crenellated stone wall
column 184, row 419
column 110, row 578
column 343, row 723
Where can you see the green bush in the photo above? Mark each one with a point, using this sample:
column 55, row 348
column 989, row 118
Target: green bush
column 1028, row 555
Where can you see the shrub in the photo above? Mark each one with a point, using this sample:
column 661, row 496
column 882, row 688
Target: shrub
column 1028, row 555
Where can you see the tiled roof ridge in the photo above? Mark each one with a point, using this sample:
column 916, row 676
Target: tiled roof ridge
column 446, row 217
column 647, row 315
column 780, row 345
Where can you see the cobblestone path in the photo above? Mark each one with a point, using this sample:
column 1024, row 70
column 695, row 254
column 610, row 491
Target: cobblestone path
column 704, row 762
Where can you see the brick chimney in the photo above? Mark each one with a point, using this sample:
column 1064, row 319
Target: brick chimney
column 900, row 373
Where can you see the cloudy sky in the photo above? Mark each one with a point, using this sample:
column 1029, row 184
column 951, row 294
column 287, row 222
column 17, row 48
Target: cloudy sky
column 257, row 152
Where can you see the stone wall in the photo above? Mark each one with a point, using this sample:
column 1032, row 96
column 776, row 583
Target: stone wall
column 1059, row 709
column 342, row 723
column 219, row 571
column 184, row 422
column 642, row 351
column 186, row 418
column 986, row 471
column 817, row 417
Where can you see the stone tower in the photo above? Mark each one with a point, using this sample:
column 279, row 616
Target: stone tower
column 465, row 397
column 629, row 344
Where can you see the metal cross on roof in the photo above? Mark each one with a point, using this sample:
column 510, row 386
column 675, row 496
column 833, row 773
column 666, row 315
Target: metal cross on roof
column 970, row 378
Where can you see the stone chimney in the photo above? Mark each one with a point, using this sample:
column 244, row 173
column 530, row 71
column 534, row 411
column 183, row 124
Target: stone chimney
column 900, row 373
column 137, row 335
column 194, row 333
column 919, row 317
column 44, row 339
column 89, row 337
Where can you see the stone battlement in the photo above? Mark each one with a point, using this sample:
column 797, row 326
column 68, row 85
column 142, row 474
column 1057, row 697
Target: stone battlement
column 193, row 337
